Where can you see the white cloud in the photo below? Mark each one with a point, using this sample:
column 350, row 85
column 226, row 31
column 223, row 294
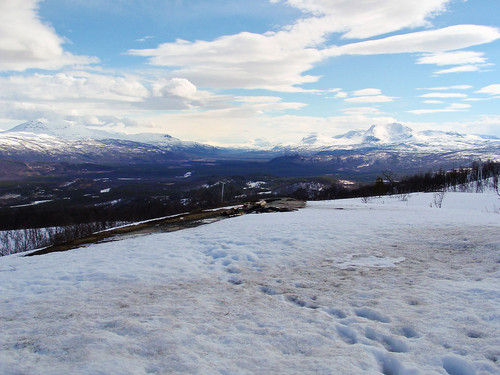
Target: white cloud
column 453, row 58
column 368, row 18
column 361, row 111
column 366, row 92
column 443, row 95
column 468, row 61
column 70, row 87
column 491, row 89
column 81, row 95
column 443, row 88
column 454, row 107
column 279, row 60
column 26, row 42
column 371, row 99
column 433, row 102
column 56, row 95
column 478, row 125
column 459, row 69
column 179, row 87
column 258, row 99
column 341, row 95
column 273, row 61
column 143, row 39
column 445, row 39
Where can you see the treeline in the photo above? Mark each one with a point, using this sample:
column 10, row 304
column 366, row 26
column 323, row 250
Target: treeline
column 472, row 179
column 16, row 241
column 66, row 213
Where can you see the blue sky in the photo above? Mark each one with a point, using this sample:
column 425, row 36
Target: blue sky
column 240, row 72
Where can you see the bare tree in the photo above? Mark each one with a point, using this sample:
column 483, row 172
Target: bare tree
column 438, row 197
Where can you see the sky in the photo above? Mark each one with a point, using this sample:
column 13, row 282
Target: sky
column 229, row 72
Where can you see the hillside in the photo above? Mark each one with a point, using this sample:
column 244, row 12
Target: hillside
column 391, row 286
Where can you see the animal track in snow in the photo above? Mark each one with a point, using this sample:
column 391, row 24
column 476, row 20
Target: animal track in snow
column 409, row 332
column 267, row 290
column 235, row 280
column 335, row 312
column 300, row 302
column 391, row 343
column 347, row 334
column 457, row 366
column 390, row 365
column 216, row 254
column 233, row 269
column 371, row 315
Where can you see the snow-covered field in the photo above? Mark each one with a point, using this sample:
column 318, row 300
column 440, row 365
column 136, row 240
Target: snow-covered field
column 340, row 287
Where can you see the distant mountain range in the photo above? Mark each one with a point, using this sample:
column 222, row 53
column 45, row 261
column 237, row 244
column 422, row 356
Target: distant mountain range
column 69, row 142
column 391, row 136
column 392, row 146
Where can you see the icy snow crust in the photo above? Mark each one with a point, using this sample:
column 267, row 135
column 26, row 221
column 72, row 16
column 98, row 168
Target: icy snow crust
column 340, row 287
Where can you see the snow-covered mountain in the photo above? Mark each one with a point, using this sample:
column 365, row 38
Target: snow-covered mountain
column 74, row 131
column 379, row 147
column 67, row 141
column 391, row 136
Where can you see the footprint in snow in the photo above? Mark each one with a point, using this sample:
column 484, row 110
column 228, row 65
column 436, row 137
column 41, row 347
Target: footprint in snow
column 335, row 312
column 348, row 335
column 301, row 302
column 391, row 343
column 372, row 315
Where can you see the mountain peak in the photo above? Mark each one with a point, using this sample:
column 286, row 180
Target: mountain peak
column 75, row 131
column 38, row 127
column 316, row 139
column 388, row 133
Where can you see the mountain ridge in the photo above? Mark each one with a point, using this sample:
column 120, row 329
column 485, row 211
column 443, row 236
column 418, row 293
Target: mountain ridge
column 375, row 149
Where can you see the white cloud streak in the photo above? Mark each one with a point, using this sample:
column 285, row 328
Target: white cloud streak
column 446, row 39
column 26, row 42
column 459, row 69
column 370, row 99
column 433, row 102
column 453, row 58
column 491, row 90
column 444, row 88
column 361, row 19
column 444, row 95
column 454, row 107
column 366, row 92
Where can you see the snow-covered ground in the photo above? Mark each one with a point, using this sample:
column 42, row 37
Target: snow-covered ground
column 340, row 287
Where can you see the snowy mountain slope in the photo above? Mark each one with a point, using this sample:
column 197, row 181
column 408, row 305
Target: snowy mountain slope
column 393, row 146
column 42, row 147
column 74, row 131
column 393, row 136
column 340, row 287
column 59, row 129
column 66, row 141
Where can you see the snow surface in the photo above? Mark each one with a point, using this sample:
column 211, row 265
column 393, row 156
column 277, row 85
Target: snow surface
column 340, row 287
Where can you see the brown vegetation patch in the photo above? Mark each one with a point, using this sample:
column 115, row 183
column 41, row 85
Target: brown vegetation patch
column 174, row 223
